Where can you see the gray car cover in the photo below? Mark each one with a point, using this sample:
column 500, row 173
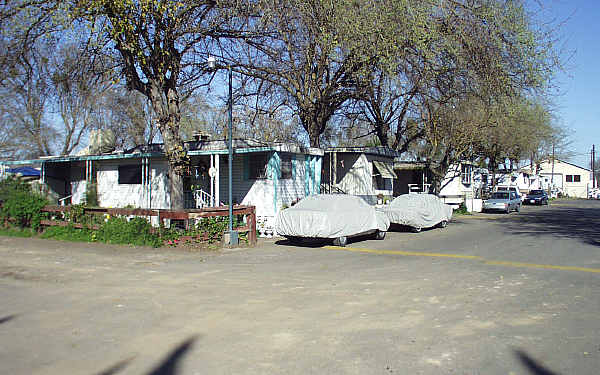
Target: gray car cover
column 417, row 210
column 330, row 216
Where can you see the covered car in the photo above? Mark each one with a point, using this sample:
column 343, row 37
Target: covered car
column 331, row 216
column 418, row 211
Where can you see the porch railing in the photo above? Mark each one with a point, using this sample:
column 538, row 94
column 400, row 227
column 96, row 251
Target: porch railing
column 328, row 189
column 198, row 199
column 202, row 199
column 418, row 188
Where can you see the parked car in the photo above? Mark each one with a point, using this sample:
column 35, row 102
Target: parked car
column 536, row 197
column 331, row 216
column 509, row 189
column 594, row 193
column 418, row 211
column 503, row 201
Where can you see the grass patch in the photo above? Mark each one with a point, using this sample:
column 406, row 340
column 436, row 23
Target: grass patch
column 462, row 210
column 68, row 234
column 16, row 232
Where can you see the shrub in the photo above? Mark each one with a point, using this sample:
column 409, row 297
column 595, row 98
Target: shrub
column 214, row 227
column 16, row 232
column 68, row 233
column 462, row 210
column 21, row 204
column 137, row 231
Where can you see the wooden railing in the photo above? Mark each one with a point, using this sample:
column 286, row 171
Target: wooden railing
column 185, row 215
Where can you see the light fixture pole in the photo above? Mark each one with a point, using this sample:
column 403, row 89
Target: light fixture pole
column 233, row 235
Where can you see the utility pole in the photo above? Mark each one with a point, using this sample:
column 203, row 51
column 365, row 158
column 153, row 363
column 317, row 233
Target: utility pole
column 552, row 175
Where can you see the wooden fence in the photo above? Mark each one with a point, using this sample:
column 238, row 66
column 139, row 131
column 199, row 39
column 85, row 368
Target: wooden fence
column 185, row 215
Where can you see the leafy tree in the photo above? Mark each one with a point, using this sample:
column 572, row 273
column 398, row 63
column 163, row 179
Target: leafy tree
column 310, row 54
column 159, row 47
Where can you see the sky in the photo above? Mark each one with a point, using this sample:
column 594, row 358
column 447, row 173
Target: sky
column 577, row 100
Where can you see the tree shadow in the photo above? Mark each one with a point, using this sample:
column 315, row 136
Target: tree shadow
column 7, row 318
column 116, row 368
column 168, row 366
column 577, row 223
column 532, row 365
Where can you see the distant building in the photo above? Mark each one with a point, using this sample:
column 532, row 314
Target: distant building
column 568, row 178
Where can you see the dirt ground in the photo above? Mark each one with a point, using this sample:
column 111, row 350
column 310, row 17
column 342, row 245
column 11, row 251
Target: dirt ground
column 469, row 299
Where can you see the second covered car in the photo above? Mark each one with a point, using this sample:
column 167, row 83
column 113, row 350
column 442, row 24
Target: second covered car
column 418, row 211
column 331, row 216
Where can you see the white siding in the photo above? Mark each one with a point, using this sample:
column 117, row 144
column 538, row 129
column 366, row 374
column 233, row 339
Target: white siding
column 561, row 170
column 113, row 194
column 290, row 190
column 78, row 189
column 356, row 171
column 159, row 189
column 453, row 190
column 257, row 193
column 261, row 193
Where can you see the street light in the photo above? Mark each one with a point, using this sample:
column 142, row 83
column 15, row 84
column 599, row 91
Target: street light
column 233, row 235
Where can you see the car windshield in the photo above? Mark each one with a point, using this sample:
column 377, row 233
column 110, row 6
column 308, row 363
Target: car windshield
column 536, row 192
column 500, row 195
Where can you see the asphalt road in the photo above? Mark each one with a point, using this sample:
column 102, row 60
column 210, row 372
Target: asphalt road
column 490, row 294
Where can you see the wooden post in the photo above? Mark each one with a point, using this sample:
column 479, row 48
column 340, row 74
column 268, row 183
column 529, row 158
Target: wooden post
column 252, row 226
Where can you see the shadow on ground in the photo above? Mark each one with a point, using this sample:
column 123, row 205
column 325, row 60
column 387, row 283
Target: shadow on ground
column 168, row 366
column 532, row 365
column 7, row 318
column 579, row 222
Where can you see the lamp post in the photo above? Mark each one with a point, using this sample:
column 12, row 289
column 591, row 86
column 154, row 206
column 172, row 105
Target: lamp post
column 233, row 235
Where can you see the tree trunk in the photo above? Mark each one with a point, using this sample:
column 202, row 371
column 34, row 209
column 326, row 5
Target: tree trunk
column 314, row 120
column 165, row 103
column 382, row 130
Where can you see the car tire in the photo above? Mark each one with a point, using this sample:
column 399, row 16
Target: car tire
column 380, row 235
column 416, row 229
column 507, row 211
column 340, row 241
column 518, row 208
column 443, row 223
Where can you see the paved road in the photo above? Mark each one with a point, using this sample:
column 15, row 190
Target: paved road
column 490, row 294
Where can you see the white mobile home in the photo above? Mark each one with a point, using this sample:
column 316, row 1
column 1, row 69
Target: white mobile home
column 367, row 172
column 458, row 184
column 267, row 176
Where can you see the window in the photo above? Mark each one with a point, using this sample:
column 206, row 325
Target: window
column 286, row 166
column 130, row 174
column 465, row 174
column 569, row 178
column 576, row 178
column 257, row 165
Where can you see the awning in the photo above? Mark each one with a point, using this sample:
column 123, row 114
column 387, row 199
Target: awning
column 25, row 171
column 385, row 169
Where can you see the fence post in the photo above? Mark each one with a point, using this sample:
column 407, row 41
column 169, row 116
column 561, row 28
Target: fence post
column 252, row 226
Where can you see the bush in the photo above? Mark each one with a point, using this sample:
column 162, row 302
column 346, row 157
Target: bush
column 16, row 232
column 137, row 231
column 462, row 210
column 20, row 204
column 68, row 233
